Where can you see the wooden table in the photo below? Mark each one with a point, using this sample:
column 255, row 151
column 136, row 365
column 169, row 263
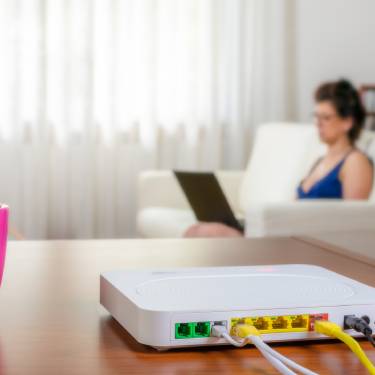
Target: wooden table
column 51, row 321
column 358, row 245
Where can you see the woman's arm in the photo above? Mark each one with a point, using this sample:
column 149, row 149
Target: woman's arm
column 357, row 176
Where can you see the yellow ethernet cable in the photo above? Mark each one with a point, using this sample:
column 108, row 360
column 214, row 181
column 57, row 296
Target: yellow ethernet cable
column 244, row 330
column 333, row 330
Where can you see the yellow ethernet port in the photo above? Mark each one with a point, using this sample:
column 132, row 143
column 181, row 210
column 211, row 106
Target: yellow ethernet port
column 261, row 324
column 275, row 324
column 299, row 321
column 279, row 322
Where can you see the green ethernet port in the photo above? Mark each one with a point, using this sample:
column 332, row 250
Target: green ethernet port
column 279, row 323
column 183, row 330
column 261, row 324
column 201, row 329
column 299, row 322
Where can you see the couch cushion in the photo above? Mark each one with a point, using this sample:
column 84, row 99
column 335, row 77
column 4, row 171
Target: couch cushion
column 161, row 222
column 282, row 156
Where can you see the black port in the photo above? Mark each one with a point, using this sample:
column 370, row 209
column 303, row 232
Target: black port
column 346, row 326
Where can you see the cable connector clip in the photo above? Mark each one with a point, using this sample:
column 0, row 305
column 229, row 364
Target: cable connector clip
column 217, row 330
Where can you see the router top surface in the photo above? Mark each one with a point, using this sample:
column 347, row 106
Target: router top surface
column 219, row 288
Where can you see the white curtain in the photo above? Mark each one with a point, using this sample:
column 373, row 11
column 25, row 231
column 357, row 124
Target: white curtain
column 94, row 91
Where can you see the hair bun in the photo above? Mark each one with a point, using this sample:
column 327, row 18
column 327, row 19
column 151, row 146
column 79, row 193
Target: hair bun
column 345, row 85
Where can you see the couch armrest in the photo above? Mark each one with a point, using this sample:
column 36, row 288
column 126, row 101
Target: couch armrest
column 161, row 189
column 309, row 217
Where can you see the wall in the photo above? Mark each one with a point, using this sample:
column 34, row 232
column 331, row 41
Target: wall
column 333, row 39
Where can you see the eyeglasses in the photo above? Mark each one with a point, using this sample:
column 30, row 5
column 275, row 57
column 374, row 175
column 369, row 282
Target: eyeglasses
column 324, row 117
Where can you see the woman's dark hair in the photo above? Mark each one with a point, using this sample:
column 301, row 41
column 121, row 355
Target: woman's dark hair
column 345, row 99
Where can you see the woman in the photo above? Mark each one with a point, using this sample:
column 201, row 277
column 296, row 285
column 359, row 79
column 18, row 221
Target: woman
column 344, row 172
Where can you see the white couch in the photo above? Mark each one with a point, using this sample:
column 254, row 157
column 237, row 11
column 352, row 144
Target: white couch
column 264, row 193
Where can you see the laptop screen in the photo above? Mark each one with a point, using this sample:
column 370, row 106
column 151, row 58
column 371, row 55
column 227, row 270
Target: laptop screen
column 206, row 198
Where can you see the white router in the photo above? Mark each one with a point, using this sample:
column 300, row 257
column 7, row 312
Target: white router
column 177, row 307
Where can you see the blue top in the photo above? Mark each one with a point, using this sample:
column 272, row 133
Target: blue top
column 328, row 187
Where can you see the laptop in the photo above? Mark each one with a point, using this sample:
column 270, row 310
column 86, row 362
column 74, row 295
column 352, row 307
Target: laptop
column 207, row 199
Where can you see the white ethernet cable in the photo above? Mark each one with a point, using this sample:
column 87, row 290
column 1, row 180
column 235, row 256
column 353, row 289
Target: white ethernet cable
column 270, row 358
column 277, row 364
column 278, row 360
column 260, row 344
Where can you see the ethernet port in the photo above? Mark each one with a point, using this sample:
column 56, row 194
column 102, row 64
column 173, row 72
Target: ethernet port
column 183, row 330
column 261, row 324
column 280, row 323
column 201, row 329
column 299, row 322
column 314, row 317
